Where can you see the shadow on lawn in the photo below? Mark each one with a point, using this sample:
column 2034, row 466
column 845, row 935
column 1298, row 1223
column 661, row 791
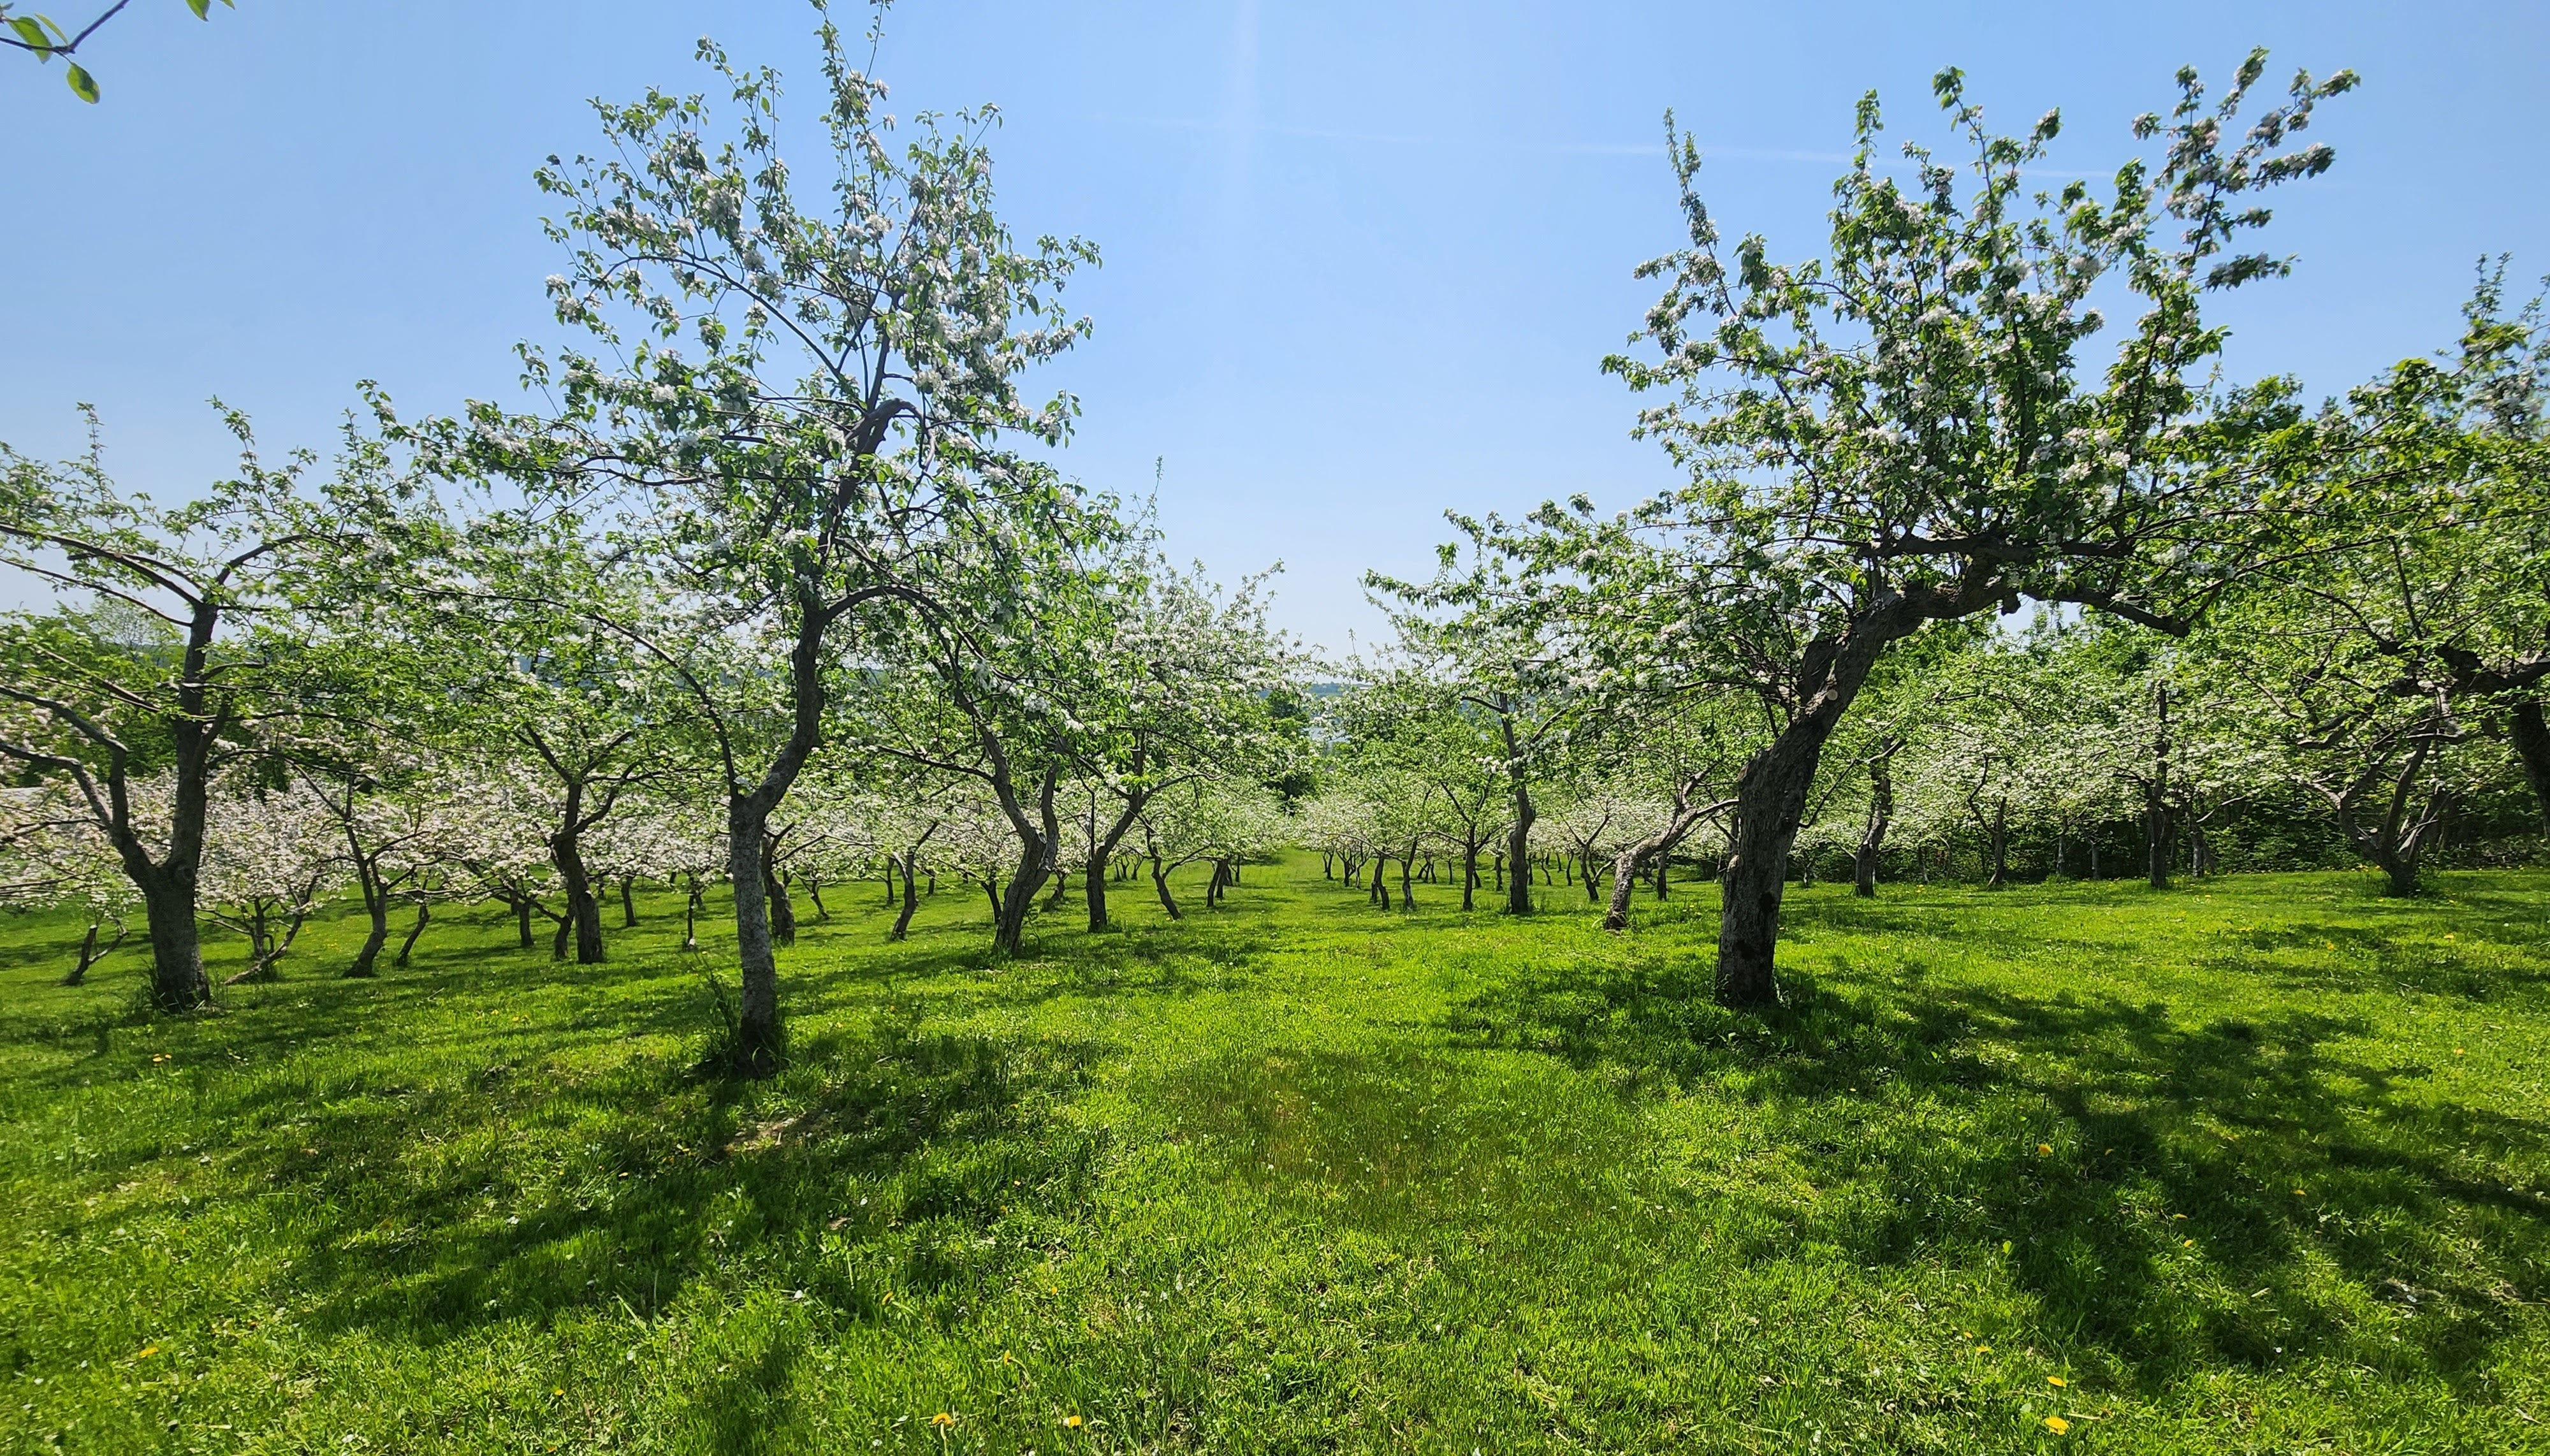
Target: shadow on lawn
column 2199, row 1183
column 878, row 1167
column 459, row 1173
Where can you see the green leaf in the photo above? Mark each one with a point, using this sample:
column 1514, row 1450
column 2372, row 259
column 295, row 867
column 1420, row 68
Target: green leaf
column 32, row 33
column 202, row 7
column 83, row 85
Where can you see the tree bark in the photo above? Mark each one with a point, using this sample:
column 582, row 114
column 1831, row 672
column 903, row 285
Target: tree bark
column 377, row 905
column 1094, row 892
column 910, row 895
column 628, row 901
column 2000, row 842
column 178, row 981
column 2530, row 737
column 2395, row 843
column 1771, row 797
column 567, row 851
column 90, row 952
column 2156, row 792
column 423, row 912
column 1038, row 842
column 1626, row 867
column 1880, row 813
column 759, row 1037
column 1518, row 833
column 1160, row 883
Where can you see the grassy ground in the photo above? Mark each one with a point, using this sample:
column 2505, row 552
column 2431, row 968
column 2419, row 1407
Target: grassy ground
column 2254, row 1166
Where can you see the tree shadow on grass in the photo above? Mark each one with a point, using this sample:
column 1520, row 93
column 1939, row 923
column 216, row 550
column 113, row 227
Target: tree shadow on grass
column 2175, row 1193
column 879, row 1166
column 1402, row 1139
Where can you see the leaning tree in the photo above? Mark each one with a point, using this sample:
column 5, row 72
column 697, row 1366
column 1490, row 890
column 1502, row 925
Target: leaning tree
column 1906, row 432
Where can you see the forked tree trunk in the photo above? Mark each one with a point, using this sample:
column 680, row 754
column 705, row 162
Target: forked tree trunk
column 2397, row 841
column 377, row 905
column 1626, row 868
column 910, row 895
column 78, row 974
column 583, row 908
column 1040, row 834
column 1160, row 883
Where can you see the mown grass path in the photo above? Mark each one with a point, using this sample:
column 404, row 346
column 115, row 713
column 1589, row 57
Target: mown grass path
column 2257, row 1165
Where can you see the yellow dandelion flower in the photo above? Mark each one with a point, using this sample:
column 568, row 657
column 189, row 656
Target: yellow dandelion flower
column 1072, row 1423
column 2186, row 1243
column 943, row 1420
column 1983, row 1349
column 2058, row 1424
column 2044, row 1149
column 2005, row 1247
column 145, row 1352
column 2055, row 1381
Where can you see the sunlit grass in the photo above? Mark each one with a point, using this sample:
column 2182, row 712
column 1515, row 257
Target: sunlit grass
column 2256, row 1165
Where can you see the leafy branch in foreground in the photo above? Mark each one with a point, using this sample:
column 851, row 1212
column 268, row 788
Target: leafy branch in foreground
column 41, row 36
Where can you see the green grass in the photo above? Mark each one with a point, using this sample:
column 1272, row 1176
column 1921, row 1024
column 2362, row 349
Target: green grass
column 2258, row 1165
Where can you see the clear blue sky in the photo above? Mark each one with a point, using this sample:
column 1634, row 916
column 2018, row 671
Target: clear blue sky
column 1361, row 260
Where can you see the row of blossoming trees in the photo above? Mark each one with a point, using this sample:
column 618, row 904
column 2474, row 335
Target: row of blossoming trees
column 2313, row 632
column 775, row 588
column 772, row 587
